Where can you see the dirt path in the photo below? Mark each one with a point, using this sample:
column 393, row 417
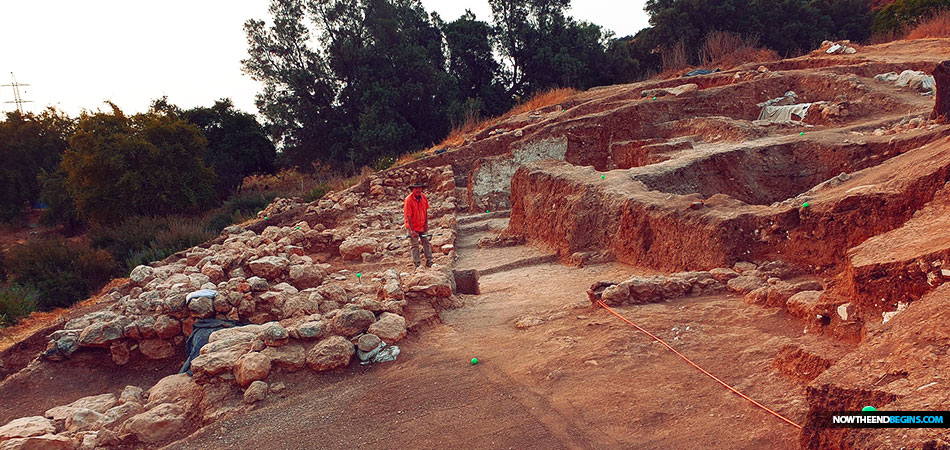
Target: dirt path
column 579, row 379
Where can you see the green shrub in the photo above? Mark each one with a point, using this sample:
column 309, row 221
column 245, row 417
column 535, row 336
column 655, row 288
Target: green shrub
column 181, row 233
column 249, row 202
column 317, row 193
column 132, row 235
column 218, row 221
column 147, row 255
column 237, row 209
column 16, row 302
column 384, row 163
column 61, row 273
column 139, row 240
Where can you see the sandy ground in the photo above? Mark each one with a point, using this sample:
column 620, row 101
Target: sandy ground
column 580, row 379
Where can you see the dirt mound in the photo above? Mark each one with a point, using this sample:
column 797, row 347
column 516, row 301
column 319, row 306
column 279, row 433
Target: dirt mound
column 296, row 295
column 814, row 246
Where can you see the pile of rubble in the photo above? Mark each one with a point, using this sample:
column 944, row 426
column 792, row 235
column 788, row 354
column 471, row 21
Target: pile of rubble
column 840, row 47
column 280, row 205
column 759, row 284
column 906, row 124
column 914, row 80
column 289, row 308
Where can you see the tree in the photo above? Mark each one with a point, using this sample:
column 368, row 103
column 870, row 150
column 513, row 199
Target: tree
column 901, row 13
column 375, row 86
column 29, row 144
column 237, row 143
column 474, row 69
column 298, row 94
column 789, row 27
column 544, row 48
column 148, row 164
column 62, row 272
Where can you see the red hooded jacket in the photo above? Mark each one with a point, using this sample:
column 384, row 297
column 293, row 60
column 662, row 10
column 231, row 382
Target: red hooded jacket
column 415, row 212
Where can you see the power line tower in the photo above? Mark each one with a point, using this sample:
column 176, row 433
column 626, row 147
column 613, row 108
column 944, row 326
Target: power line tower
column 16, row 94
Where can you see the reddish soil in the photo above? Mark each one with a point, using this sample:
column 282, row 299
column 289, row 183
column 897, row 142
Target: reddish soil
column 580, row 379
column 40, row 386
column 653, row 186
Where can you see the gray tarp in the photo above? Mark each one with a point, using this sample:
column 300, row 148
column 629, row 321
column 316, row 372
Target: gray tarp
column 783, row 114
column 199, row 337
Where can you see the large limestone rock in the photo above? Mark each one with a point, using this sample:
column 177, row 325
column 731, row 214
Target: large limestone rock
column 251, row 367
column 330, row 353
column 390, row 327
column 179, row 389
column 166, row 327
column 269, row 267
column 220, row 355
column 350, row 322
column 433, row 282
column 290, row 357
column 354, row 246
column 157, row 424
column 305, row 276
column 83, row 419
column 43, row 442
column 100, row 334
column 119, row 414
column 98, row 403
column 256, row 392
column 272, row 334
column 745, row 284
column 141, row 275
column 133, row 394
column 26, row 427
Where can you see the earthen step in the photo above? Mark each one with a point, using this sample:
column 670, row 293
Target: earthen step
column 533, row 261
column 464, row 220
column 485, row 225
column 905, row 263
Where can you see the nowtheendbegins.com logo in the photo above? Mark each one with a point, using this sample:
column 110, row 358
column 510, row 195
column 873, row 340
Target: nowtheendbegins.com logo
column 884, row 419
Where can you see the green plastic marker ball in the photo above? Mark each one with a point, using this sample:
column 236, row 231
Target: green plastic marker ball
column 654, row 98
column 358, row 275
column 474, row 361
column 868, row 409
column 265, row 217
column 805, row 205
column 603, row 176
column 486, row 210
column 801, row 133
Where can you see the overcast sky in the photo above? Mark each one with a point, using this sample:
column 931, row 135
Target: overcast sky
column 77, row 54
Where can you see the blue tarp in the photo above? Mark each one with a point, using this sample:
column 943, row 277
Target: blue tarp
column 693, row 73
column 199, row 337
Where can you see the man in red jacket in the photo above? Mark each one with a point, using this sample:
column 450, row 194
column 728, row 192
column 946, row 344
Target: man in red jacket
column 415, row 209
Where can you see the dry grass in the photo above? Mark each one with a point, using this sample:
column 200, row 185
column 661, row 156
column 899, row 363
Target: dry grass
column 674, row 58
column 473, row 125
column 39, row 320
column 338, row 183
column 720, row 49
column 727, row 49
column 541, row 100
column 719, row 44
column 747, row 55
column 890, row 36
column 935, row 26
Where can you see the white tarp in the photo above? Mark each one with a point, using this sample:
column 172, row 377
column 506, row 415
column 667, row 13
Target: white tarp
column 916, row 80
column 784, row 113
column 913, row 79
